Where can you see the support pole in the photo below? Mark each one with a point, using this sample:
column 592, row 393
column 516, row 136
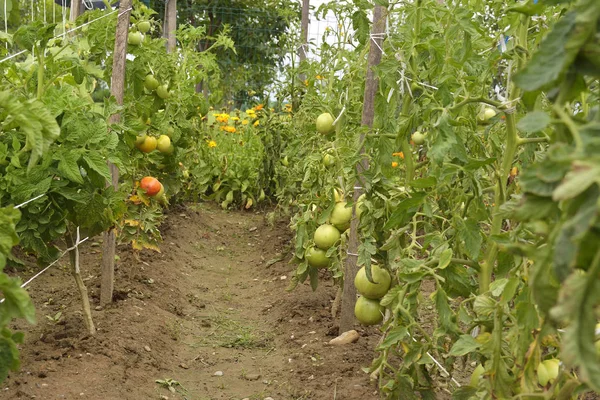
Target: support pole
column 117, row 89
column 170, row 24
column 368, row 114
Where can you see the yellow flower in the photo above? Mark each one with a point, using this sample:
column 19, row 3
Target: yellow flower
column 399, row 154
column 235, row 118
column 394, row 164
column 212, row 144
column 245, row 122
column 306, row 82
column 251, row 112
column 319, row 77
column 514, row 171
column 256, row 123
column 230, row 129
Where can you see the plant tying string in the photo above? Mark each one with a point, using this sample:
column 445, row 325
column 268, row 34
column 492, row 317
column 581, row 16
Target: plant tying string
column 69, row 31
column 76, row 245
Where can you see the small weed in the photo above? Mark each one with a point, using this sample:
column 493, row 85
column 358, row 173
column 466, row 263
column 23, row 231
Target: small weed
column 229, row 333
column 174, row 329
column 56, row 318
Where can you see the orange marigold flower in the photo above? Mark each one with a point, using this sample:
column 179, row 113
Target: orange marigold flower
column 259, row 107
column 394, row 164
column 399, row 154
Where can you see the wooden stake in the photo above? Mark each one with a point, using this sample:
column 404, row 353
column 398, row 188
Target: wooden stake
column 76, row 9
column 304, row 34
column 117, row 89
column 85, row 300
column 171, row 24
column 368, row 114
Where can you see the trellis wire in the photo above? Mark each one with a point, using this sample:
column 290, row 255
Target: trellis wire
column 76, row 245
column 69, row 31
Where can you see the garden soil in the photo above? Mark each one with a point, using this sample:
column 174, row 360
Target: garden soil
column 208, row 317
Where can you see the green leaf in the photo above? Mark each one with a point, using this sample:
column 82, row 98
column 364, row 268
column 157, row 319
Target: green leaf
column 582, row 176
column 68, row 167
column 402, row 209
column 579, row 297
column 96, row 162
column 534, row 122
column 464, row 345
column 423, row 183
column 469, row 233
column 445, row 259
column 559, row 49
column 395, row 335
column 445, row 313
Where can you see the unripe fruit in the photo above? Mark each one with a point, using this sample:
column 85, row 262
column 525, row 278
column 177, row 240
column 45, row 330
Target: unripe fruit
column 143, row 26
column 135, row 38
column 418, row 138
column 151, row 83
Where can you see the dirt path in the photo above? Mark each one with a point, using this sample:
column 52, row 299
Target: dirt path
column 209, row 317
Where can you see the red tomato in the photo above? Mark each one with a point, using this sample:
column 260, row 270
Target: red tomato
column 150, row 185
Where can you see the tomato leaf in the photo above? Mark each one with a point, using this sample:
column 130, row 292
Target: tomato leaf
column 579, row 297
column 534, row 122
column 464, row 345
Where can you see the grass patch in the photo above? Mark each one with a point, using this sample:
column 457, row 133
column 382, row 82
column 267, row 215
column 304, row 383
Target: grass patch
column 225, row 331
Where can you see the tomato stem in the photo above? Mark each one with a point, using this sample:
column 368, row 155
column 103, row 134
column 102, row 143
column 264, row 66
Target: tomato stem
column 40, row 72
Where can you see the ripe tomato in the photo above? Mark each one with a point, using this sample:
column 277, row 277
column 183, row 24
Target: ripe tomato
column 373, row 290
column 326, row 236
column 367, row 311
column 150, row 185
column 325, row 123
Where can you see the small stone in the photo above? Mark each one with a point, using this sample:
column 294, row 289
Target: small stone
column 184, row 366
column 218, row 373
column 345, row 338
column 150, row 281
column 268, row 398
column 99, row 308
column 283, row 277
column 252, row 377
column 252, row 229
column 163, row 397
column 147, row 348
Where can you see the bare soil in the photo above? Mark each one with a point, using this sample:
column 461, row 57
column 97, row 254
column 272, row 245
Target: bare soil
column 207, row 318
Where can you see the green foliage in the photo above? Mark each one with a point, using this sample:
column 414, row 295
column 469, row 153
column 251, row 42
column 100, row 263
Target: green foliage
column 499, row 228
column 16, row 302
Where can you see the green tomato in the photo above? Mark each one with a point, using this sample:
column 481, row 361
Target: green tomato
column 163, row 92
column 144, row 26
column 325, row 123
column 135, row 38
column 418, row 138
column 151, row 83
